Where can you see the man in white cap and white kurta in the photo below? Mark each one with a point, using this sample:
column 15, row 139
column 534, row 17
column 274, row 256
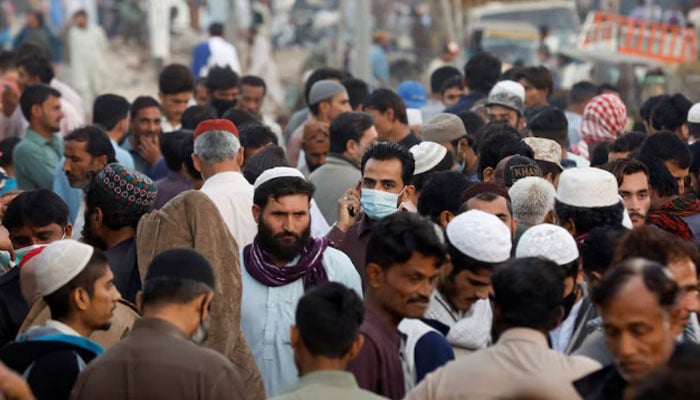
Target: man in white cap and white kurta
column 476, row 242
column 75, row 281
column 280, row 265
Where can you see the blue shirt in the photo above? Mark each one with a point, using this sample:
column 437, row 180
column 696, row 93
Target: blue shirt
column 267, row 312
column 35, row 158
column 379, row 64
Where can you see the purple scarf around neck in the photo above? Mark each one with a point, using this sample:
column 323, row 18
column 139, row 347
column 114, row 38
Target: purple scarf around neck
column 309, row 267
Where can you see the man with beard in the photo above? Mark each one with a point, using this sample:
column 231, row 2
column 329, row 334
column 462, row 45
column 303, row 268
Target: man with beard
column 404, row 256
column 36, row 156
column 633, row 183
column 163, row 346
column 75, row 281
column 115, row 200
column 279, row 266
column 143, row 141
column 86, row 151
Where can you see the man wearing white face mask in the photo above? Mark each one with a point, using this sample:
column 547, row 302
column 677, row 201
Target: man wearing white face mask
column 387, row 169
column 163, row 346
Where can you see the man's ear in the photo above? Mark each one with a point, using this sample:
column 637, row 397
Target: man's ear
column 97, row 216
column 351, row 146
column 570, row 226
column 550, row 218
column 407, row 193
column 197, row 162
column 294, row 337
column 81, row 298
column 375, row 275
column 445, row 218
column 355, row 348
column 36, row 110
column 100, row 161
column 240, row 157
column 161, row 97
column 69, row 231
column 389, row 114
column 139, row 301
column 488, row 174
column 256, row 212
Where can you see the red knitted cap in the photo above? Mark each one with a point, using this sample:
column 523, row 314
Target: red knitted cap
column 215, row 125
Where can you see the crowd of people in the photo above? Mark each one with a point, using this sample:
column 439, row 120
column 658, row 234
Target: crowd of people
column 476, row 242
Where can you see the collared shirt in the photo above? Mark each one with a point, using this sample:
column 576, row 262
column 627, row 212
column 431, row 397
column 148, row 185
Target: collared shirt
column 169, row 187
column 233, row 196
column 354, row 243
column 61, row 327
column 332, row 179
column 561, row 335
column 378, row 366
column 336, row 385
column 520, row 360
column 35, row 159
column 167, row 127
column 158, row 361
column 267, row 312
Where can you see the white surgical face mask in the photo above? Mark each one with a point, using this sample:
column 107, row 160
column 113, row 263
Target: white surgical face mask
column 378, row 204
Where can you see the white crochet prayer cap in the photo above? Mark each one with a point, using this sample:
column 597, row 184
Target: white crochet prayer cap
column 548, row 241
column 277, row 172
column 427, row 155
column 587, row 188
column 481, row 236
column 60, row 262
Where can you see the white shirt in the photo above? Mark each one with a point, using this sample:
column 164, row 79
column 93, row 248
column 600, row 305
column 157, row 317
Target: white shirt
column 61, row 327
column 222, row 53
column 440, row 310
column 267, row 312
column 79, row 220
column 167, row 127
column 70, row 95
column 561, row 335
column 233, row 196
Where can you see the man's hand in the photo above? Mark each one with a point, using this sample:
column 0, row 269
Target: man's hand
column 13, row 386
column 149, row 149
column 348, row 209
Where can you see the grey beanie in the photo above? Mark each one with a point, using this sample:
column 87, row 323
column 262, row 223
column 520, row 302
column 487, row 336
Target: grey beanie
column 442, row 128
column 324, row 90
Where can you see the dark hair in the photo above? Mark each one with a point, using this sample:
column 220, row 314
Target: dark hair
column 693, row 129
column 384, row 99
column 628, row 167
column 581, row 92
column 109, row 109
column 280, row 187
column 441, row 76
column 171, row 145
column 446, row 164
column 255, row 81
column 35, row 95
column 358, row 91
column 500, row 140
column 486, row 196
column 551, row 123
column 453, row 83
column 216, row 29
column 654, row 275
column 7, row 60
column 529, row 293
column 193, row 115
column 660, row 178
column 96, row 141
column 599, row 156
column 540, row 77
column 670, row 112
column 598, row 248
column 59, row 302
column 254, row 136
column 441, row 193
column 141, row 103
column 39, row 207
column 7, row 146
column 667, row 147
column 630, row 142
column 609, row 87
column 328, row 318
column 167, row 289
column 694, row 156
column 221, row 78
column 472, row 121
column 587, row 218
column 239, row 117
column 174, row 79
column 462, row 262
column 348, row 126
column 395, row 238
column 321, row 74
column 115, row 214
column 384, row 151
column 648, row 106
column 548, row 167
column 481, row 72
column 37, row 66
column 656, row 245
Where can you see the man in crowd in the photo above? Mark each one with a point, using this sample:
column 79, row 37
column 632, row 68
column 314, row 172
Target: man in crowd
column 493, row 199
column 636, row 296
column 551, row 123
column 143, row 141
column 499, row 140
column 175, row 86
column 351, row 134
column 400, row 245
column 626, row 145
column 579, row 95
column 75, row 281
column 279, row 266
column 218, row 156
column 88, row 56
column 36, row 156
column 538, row 83
column 111, row 112
column 111, row 217
column 439, row 199
column 215, row 52
column 252, row 97
column 315, row 146
column 505, row 103
column 528, row 295
column 325, row 338
column 389, row 114
column 532, row 199
column 163, row 346
column 222, row 85
column 670, row 149
column 481, row 73
column 32, row 218
column 604, row 120
column 670, row 114
column 633, row 184
column 438, row 78
column 177, row 148
column 387, row 169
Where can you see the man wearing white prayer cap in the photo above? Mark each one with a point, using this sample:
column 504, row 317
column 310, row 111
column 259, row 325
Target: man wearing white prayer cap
column 75, row 281
column 281, row 264
column 556, row 244
column 587, row 198
column 476, row 242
